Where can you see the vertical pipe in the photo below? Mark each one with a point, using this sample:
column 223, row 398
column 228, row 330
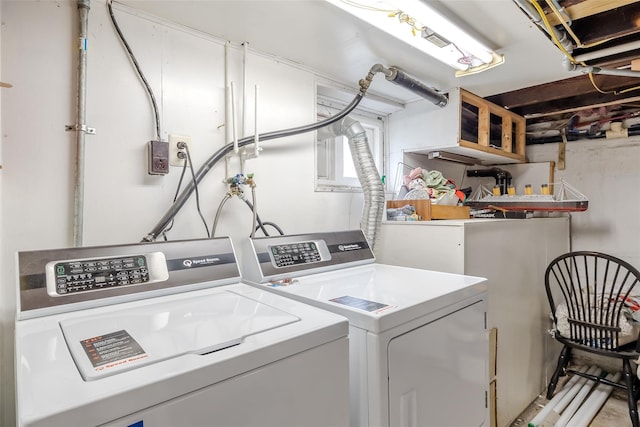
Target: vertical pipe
column 234, row 125
column 245, row 52
column 226, row 91
column 256, row 138
column 78, row 197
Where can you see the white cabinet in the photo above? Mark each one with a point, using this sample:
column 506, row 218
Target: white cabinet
column 512, row 255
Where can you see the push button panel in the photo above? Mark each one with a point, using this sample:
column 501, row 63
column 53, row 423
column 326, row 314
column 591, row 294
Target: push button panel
column 289, row 254
column 76, row 276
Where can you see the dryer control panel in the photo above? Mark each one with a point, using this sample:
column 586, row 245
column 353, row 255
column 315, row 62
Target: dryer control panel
column 281, row 257
column 83, row 275
column 305, row 252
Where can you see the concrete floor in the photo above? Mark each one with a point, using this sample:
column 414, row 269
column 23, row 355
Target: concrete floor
column 614, row 413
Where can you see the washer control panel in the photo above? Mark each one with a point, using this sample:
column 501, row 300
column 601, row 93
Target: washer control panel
column 84, row 275
column 308, row 252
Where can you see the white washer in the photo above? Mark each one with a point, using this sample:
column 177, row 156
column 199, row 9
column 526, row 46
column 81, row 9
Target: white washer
column 163, row 334
column 418, row 340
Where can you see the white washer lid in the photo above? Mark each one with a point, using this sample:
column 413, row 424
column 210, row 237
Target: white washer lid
column 128, row 339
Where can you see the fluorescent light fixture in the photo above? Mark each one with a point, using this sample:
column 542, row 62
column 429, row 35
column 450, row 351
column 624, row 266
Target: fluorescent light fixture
column 420, row 26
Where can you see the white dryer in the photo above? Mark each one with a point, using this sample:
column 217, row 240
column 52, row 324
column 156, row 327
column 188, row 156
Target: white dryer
column 418, row 341
column 163, row 334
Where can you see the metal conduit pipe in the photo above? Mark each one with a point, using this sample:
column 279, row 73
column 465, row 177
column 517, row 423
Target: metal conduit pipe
column 80, row 127
column 569, row 66
column 367, row 172
column 601, row 53
column 562, row 37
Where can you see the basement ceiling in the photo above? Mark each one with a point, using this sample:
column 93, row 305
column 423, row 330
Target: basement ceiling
column 533, row 81
column 604, row 34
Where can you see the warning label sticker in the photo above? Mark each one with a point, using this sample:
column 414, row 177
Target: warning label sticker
column 111, row 350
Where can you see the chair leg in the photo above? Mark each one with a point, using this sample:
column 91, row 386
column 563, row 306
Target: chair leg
column 563, row 361
column 629, row 381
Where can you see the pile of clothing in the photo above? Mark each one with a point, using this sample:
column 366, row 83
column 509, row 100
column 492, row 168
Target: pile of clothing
column 423, row 184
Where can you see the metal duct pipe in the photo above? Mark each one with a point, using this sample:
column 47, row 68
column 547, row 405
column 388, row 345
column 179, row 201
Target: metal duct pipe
column 401, row 78
column 367, row 172
column 80, row 127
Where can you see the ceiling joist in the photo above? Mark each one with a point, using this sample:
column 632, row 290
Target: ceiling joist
column 567, row 94
column 583, row 8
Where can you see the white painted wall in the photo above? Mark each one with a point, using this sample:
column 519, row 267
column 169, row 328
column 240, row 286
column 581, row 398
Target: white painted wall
column 608, row 173
column 123, row 203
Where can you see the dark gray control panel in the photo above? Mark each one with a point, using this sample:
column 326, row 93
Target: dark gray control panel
column 287, row 254
column 82, row 275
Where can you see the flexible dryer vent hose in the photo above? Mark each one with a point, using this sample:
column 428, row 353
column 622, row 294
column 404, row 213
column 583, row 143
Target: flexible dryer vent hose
column 367, row 172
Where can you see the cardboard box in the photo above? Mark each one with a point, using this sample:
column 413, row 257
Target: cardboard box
column 427, row 211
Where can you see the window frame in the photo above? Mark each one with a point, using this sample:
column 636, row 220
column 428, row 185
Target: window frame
column 332, row 178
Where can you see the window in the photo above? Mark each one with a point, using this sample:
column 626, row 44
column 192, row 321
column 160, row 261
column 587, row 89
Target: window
column 335, row 170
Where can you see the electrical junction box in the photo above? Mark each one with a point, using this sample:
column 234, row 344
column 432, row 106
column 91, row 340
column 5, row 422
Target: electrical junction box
column 158, row 154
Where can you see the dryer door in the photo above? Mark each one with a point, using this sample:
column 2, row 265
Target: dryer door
column 438, row 373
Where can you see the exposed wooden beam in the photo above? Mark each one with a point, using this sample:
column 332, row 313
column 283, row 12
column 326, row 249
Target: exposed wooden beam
column 537, row 97
column 586, row 8
column 608, row 25
column 566, row 95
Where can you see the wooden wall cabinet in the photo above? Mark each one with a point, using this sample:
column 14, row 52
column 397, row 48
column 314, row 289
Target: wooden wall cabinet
column 468, row 126
column 492, row 129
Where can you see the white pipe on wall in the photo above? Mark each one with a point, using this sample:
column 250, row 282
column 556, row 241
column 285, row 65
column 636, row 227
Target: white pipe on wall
column 245, row 53
column 256, row 137
column 80, row 125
